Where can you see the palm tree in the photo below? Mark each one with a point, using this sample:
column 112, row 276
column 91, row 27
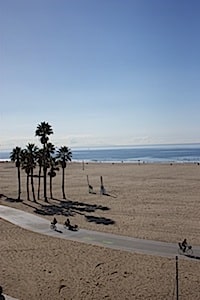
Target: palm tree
column 39, row 161
column 43, row 131
column 26, row 168
column 64, row 155
column 50, row 149
column 52, row 173
column 15, row 156
column 47, row 154
column 28, row 164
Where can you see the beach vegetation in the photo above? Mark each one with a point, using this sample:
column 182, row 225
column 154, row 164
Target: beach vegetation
column 29, row 159
column 47, row 159
column 52, row 173
column 63, row 156
column 15, row 156
column 39, row 159
column 43, row 131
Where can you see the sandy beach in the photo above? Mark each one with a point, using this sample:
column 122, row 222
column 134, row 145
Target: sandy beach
column 150, row 201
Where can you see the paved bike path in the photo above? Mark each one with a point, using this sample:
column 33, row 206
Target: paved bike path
column 40, row 225
column 9, row 298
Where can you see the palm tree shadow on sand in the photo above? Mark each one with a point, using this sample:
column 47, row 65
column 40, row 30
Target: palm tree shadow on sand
column 100, row 220
column 70, row 208
column 8, row 199
column 66, row 208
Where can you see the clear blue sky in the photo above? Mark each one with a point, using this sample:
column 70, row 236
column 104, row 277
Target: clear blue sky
column 101, row 72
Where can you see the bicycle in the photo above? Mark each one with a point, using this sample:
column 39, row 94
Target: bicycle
column 188, row 249
column 71, row 227
column 53, row 226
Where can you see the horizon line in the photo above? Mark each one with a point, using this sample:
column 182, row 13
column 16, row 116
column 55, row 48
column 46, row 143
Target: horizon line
column 93, row 147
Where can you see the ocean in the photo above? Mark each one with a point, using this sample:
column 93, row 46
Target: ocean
column 185, row 153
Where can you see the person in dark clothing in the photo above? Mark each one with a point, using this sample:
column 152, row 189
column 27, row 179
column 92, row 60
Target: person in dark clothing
column 54, row 222
column 53, row 225
column 1, row 295
column 68, row 224
column 184, row 245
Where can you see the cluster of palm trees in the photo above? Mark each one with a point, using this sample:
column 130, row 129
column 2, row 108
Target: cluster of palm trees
column 46, row 158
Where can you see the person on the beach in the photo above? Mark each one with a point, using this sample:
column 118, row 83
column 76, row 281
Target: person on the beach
column 68, row 224
column 54, row 222
column 1, row 295
column 184, row 244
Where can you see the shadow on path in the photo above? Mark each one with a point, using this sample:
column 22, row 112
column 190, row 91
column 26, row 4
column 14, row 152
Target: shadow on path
column 59, row 231
column 192, row 256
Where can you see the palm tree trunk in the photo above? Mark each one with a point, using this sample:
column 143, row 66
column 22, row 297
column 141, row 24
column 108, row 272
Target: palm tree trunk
column 19, row 183
column 45, row 184
column 45, row 173
column 27, row 187
column 39, row 180
column 32, row 185
column 63, row 183
column 51, row 193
